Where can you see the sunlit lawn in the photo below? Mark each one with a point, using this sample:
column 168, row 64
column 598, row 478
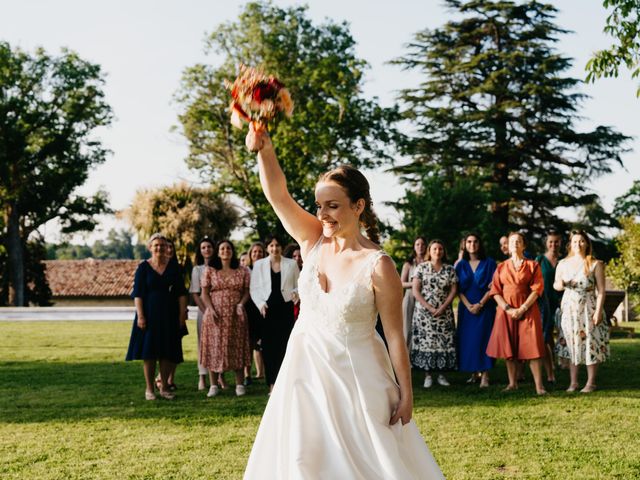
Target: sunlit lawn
column 71, row 408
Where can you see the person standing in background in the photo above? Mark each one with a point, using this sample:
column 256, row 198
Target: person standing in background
column 517, row 329
column 155, row 335
column 274, row 290
column 582, row 279
column 256, row 252
column 225, row 330
column 476, row 310
column 406, row 276
column 433, row 343
column 204, row 255
column 550, row 300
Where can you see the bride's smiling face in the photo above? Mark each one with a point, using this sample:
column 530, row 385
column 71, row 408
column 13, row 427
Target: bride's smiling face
column 335, row 210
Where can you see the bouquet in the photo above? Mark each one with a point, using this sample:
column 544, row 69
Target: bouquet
column 257, row 98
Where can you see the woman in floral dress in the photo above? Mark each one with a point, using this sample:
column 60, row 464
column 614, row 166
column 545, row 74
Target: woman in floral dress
column 224, row 341
column 433, row 346
column 584, row 329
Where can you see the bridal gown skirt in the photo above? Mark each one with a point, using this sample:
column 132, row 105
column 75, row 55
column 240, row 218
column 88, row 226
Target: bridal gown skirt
column 328, row 415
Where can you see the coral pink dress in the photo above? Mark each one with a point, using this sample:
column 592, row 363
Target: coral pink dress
column 517, row 339
column 224, row 342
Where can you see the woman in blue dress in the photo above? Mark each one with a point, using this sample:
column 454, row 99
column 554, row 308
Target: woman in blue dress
column 476, row 310
column 155, row 336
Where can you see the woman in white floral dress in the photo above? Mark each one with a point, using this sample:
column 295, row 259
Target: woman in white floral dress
column 584, row 330
column 433, row 344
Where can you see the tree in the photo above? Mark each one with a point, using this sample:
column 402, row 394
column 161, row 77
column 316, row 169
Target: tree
column 332, row 122
column 118, row 244
column 494, row 106
column 184, row 214
column 432, row 209
column 49, row 109
column 623, row 23
column 628, row 204
column 625, row 270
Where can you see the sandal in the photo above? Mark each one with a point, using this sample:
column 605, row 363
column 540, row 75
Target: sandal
column 167, row 395
column 588, row 388
column 149, row 395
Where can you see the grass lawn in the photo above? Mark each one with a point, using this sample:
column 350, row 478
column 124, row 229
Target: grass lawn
column 71, row 408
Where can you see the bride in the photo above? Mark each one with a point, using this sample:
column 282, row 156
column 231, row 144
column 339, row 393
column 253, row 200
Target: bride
column 336, row 411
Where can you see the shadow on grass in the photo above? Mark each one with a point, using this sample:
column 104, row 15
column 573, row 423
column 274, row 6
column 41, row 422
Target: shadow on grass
column 41, row 391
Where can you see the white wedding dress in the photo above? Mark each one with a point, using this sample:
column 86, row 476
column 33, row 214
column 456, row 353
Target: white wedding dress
column 328, row 415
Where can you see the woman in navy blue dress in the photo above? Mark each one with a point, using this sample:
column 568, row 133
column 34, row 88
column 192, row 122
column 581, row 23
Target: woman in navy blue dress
column 155, row 335
column 476, row 310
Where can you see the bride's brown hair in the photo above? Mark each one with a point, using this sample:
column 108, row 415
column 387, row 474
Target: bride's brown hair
column 356, row 186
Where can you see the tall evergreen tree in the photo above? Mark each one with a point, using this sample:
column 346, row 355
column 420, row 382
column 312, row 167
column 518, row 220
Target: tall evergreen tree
column 494, row 104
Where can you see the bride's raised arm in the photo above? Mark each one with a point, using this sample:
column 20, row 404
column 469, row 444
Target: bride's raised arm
column 301, row 225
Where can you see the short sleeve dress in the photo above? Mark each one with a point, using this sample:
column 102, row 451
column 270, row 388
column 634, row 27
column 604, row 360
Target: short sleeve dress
column 224, row 342
column 517, row 339
column 161, row 339
column 433, row 344
column 474, row 330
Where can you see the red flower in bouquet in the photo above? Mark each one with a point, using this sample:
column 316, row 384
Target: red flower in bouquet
column 257, row 98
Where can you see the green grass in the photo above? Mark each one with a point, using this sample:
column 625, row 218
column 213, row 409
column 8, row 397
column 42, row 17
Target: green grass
column 71, row 408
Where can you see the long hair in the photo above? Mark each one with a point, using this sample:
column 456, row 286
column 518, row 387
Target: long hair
column 356, row 186
column 481, row 253
column 217, row 263
column 199, row 257
column 433, row 242
column 256, row 245
column 412, row 258
column 589, row 259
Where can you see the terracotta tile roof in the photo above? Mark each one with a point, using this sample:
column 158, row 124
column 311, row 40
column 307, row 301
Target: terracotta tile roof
column 91, row 277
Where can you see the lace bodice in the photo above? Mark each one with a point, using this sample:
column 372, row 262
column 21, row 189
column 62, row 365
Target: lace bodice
column 348, row 310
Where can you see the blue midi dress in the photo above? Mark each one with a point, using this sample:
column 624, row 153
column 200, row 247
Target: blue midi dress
column 474, row 330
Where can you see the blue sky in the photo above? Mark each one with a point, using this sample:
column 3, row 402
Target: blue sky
column 144, row 45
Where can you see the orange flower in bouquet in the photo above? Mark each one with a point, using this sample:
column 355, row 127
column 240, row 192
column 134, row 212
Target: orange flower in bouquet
column 257, row 98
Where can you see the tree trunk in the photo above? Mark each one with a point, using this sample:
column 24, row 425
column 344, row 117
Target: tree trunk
column 16, row 258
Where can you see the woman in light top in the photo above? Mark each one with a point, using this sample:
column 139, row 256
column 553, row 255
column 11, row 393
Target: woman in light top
column 204, row 255
column 406, row 276
column 585, row 331
column 274, row 290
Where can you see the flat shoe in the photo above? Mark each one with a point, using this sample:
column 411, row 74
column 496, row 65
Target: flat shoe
column 572, row 388
column 167, row 395
column 428, row 382
column 588, row 389
column 240, row 390
column 213, row 391
column 149, row 395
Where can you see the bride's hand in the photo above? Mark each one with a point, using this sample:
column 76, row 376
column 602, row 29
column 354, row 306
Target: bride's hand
column 403, row 411
column 257, row 138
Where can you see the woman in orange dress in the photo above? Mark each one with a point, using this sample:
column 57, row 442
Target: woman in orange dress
column 517, row 330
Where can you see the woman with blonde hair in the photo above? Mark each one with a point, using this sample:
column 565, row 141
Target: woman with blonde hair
column 584, row 328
